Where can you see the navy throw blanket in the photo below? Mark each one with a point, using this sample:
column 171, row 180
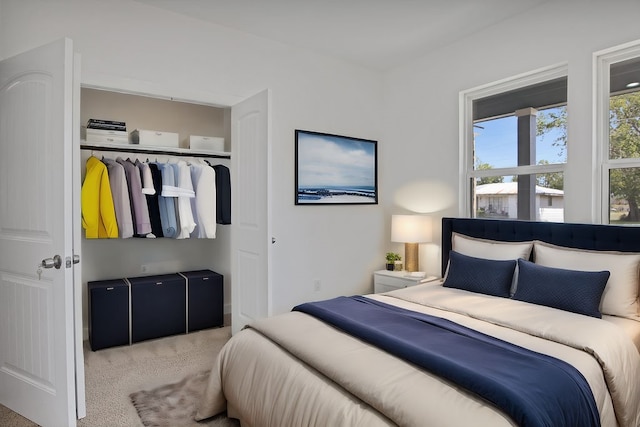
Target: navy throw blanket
column 532, row 388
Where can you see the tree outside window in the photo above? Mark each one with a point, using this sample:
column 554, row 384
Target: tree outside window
column 624, row 143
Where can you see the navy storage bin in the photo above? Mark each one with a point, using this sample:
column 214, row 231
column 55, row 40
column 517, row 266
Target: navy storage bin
column 108, row 313
column 205, row 299
column 158, row 306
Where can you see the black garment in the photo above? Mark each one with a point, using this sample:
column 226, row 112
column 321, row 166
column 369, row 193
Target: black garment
column 223, row 194
column 152, row 201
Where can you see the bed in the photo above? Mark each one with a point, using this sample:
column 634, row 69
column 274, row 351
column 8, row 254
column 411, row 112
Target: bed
column 552, row 294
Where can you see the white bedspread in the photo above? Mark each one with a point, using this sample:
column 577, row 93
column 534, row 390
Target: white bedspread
column 292, row 369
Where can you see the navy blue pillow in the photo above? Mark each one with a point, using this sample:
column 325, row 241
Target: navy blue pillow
column 570, row 290
column 480, row 275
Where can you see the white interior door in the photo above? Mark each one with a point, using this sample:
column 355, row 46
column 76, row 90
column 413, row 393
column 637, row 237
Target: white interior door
column 36, row 223
column 251, row 230
column 81, row 404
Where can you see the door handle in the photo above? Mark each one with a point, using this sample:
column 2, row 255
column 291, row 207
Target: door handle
column 56, row 262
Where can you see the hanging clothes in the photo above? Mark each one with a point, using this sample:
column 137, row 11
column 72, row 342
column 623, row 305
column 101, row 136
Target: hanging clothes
column 139, row 208
column 177, row 199
column 167, row 201
column 185, row 215
column 121, row 200
column 98, row 213
column 145, row 177
column 223, row 194
column 195, row 176
column 149, row 190
column 203, row 205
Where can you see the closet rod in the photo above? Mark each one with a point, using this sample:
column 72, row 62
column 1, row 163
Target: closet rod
column 130, row 149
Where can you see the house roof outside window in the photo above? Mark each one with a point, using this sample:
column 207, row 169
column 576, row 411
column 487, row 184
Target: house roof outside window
column 507, row 188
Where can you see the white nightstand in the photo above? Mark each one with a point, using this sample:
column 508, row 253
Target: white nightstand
column 385, row 280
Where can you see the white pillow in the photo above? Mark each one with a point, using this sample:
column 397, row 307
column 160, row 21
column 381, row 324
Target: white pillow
column 490, row 249
column 620, row 297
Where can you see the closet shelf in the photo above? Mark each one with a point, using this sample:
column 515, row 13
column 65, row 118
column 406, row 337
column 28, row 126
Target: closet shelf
column 133, row 148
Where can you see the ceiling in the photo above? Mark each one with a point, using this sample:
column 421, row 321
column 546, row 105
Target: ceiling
column 378, row 34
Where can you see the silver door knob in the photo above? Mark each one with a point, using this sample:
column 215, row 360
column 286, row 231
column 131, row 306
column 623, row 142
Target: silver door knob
column 56, row 262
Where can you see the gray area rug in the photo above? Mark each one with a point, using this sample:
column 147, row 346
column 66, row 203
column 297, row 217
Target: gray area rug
column 176, row 404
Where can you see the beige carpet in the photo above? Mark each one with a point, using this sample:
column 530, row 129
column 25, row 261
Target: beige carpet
column 112, row 374
column 8, row 418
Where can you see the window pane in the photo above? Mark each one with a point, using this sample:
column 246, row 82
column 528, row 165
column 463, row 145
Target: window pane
column 497, row 197
column 551, row 139
column 624, row 190
column 550, row 197
column 624, row 126
column 496, row 140
column 512, row 127
column 624, row 141
column 496, row 143
column 494, row 198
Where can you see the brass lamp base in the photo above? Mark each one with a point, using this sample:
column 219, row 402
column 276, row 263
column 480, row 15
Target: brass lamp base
column 411, row 257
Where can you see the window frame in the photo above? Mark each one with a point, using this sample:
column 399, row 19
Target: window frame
column 602, row 61
column 467, row 173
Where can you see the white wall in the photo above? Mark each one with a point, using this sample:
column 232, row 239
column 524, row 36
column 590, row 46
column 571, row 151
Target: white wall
column 141, row 48
column 421, row 99
column 412, row 111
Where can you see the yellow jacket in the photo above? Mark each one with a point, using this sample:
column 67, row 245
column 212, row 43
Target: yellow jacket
column 98, row 213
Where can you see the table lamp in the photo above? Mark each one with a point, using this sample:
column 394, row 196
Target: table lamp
column 411, row 230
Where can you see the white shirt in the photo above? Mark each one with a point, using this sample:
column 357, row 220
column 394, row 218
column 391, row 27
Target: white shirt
column 203, row 178
column 185, row 214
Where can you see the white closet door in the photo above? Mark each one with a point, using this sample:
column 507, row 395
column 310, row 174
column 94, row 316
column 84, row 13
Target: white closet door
column 36, row 223
column 250, row 210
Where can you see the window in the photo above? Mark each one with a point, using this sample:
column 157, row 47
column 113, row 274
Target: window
column 514, row 147
column 618, row 133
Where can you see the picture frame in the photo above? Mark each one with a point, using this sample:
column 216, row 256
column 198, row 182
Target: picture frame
column 335, row 170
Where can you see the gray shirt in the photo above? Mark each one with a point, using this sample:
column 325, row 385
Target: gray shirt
column 120, row 194
column 139, row 208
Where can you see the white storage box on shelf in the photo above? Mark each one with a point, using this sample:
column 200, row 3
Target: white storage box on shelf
column 206, row 143
column 154, row 138
column 101, row 136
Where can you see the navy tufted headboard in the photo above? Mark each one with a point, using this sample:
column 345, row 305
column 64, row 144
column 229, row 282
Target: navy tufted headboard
column 582, row 236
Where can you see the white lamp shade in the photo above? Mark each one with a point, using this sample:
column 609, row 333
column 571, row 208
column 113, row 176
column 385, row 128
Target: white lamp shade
column 411, row 228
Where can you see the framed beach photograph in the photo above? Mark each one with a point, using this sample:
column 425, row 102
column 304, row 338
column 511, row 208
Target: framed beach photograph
column 335, row 170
